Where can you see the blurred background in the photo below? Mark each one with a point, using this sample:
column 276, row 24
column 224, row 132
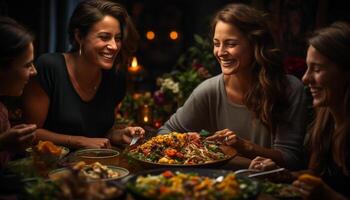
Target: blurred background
column 175, row 41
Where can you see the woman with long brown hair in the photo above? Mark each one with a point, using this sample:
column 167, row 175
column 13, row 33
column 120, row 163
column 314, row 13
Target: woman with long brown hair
column 328, row 78
column 16, row 68
column 252, row 105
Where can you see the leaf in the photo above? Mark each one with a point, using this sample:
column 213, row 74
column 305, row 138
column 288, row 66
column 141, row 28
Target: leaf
column 204, row 133
column 198, row 39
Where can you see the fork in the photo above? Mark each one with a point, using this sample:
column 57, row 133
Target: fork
column 134, row 140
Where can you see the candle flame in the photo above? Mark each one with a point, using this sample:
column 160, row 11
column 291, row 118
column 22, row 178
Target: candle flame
column 134, row 62
column 134, row 68
column 145, row 119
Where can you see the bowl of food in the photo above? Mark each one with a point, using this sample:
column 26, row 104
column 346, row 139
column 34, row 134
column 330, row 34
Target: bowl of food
column 103, row 156
column 91, row 172
column 190, row 183
column 181, row 150
column 72, row 182
column 46, row 155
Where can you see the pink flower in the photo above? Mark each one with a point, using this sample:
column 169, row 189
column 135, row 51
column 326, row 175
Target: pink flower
column 295, row 66
column 203, row 73
column 196, row 64
column 159, row 97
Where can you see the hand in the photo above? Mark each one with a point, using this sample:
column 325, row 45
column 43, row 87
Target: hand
column 132, row 131
column 312, row 187
column 18, row 137
column 86, row 142
column 230, row 138
column 263, row 164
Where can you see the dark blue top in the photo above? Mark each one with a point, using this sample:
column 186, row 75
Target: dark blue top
column 68, row 113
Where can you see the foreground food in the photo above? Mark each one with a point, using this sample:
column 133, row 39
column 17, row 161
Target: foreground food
column 95, row 171
column 279, row 190
column 178, row 148
column 178, row 185
column 71, row 186
column 310, row 179
column 45, row 156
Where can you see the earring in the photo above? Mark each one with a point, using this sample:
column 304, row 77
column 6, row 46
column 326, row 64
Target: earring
column 79, row 49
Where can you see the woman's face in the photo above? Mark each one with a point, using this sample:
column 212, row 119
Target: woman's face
column 232, row 49
column 325, row 80
column 103, row 42
column 15, row 77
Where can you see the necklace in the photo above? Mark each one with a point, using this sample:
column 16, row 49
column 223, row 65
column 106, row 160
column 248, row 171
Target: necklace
column 87, row 91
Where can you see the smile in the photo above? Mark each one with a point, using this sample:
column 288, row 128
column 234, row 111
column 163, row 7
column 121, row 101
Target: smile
column 107, row 56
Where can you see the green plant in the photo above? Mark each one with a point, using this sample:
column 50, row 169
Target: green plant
column 194, row 66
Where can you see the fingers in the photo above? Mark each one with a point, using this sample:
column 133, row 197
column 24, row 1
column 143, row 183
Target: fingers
column 304, row 189
column 262, row 164
column 28, row 139
column 224, row 136
column 23, row 129
column 108, row 144
column 136, row 131
column 99, row 143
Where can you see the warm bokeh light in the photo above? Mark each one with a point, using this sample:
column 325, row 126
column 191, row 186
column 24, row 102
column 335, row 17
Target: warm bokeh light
column 173, row 35
column 150, row 35
column 145, row 119
column 134, row 68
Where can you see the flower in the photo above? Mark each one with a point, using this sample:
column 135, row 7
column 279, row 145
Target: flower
column 295, row 66
column 194, row 66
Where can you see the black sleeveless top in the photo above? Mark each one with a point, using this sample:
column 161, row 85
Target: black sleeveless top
column 68, row 113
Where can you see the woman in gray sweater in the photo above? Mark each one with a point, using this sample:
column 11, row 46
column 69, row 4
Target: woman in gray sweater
column 252, row 105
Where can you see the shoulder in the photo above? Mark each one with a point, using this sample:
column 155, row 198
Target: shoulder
column 294, row 84
column 50, row 62
column 210, row 86
column 50, row 58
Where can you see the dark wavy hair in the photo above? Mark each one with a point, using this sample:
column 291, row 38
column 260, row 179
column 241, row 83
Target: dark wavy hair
column 14, row 40
column 89, row 12
column 330, row 144
column 266, row 98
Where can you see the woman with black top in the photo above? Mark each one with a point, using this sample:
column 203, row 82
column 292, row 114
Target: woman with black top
column 75, row 93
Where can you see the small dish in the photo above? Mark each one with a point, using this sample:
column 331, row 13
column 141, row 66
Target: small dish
column 103, row 156
column 57, row 173
column 64, row 152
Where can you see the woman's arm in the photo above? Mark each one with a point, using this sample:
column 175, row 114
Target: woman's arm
column 247, row 148
column 35, row 108
column 289, row 139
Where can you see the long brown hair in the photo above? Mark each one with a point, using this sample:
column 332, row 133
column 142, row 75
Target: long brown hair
column 329, row 144
column 15, row 39
column 89, row 12
column 266, row 98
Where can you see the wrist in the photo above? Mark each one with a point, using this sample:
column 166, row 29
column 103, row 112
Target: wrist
column 117, row 136
column 248, row 149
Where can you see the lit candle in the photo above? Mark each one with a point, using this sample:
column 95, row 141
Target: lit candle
column 145, row 119
column 145, row 115
column 134, row 68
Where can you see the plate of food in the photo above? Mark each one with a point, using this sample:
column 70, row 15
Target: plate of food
column 190, row 183
column 181, row 150
column 48, row 148
column 280, row 190
column 92, row 172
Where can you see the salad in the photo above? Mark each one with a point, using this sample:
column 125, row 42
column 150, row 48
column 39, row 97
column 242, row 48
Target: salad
column 178, row 148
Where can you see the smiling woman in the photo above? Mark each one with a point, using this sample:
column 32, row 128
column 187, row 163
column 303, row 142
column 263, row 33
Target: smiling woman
column 75, row 94
column 253, row 104
column 16, row 68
